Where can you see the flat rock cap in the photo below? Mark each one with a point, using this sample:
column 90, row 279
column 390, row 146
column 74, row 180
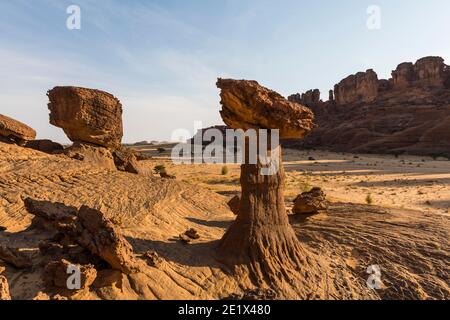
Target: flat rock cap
column 248, row 105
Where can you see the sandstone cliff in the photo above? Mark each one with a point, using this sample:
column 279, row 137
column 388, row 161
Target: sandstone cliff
column 409, row 113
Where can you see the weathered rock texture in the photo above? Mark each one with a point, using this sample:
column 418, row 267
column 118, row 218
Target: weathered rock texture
column 310, row 202
column 127, row 160
column 15, row 130
column 15, row 257
column 94, row 155
column 234, row 204
column 87, row 115
column 247, row 105
column 409, row 113
column 56, row 274
column 361, row 87
column 45, row 145
column 4, row 289
column 261, row 239
column 90, row 229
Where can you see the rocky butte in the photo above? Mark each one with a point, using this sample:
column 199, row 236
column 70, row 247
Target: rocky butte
column 408, row 113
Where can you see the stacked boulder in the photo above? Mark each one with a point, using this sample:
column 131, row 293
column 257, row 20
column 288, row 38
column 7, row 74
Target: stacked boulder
column 92, row 120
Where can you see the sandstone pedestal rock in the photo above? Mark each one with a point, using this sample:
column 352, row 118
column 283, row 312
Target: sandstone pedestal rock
column 15, row 130
column 261, row 239
column 87, row 115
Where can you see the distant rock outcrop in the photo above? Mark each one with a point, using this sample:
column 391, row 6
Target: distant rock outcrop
column 361, row 87
column 409, row 113
column 15, row 131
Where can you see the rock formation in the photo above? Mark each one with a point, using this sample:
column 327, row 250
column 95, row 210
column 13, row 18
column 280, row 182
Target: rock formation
column 15, row 257
column 4, row 289
column 263, row 109
column 45, row 145
column 90, row 229
column 309, row 97
column 361, row 87
column 92, row 119
column 409, row 113
column 89, row 153
column 261, row 239
column 234, row 204
column 87, row 115
column 310, row 202
column 127, row 160
column 56, row 274
column 15, row 131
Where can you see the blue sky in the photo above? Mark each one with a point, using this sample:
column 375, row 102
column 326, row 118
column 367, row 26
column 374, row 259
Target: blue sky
column 162, row 58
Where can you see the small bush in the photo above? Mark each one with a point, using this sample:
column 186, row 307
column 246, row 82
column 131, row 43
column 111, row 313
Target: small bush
column 161, row 150
column 160, row 169
column 224, row 170
column 369, row 199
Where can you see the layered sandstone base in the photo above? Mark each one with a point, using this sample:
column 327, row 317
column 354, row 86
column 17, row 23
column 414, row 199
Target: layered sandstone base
column 261, row 240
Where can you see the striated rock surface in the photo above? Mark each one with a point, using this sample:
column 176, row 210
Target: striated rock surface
column 247, row 105
column 87, row 115
column 409, row 113
column 94, row 155
column 310, row 202
column 15, row 131
column 90, row 229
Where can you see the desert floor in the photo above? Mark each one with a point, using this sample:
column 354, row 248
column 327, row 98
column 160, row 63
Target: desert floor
column 405, row 230
column 403, row 182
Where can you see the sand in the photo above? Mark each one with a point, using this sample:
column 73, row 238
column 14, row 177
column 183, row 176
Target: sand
column 405, row 230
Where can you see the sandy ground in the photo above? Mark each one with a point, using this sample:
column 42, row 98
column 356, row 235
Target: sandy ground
column 404, row 182
column 405, row 230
